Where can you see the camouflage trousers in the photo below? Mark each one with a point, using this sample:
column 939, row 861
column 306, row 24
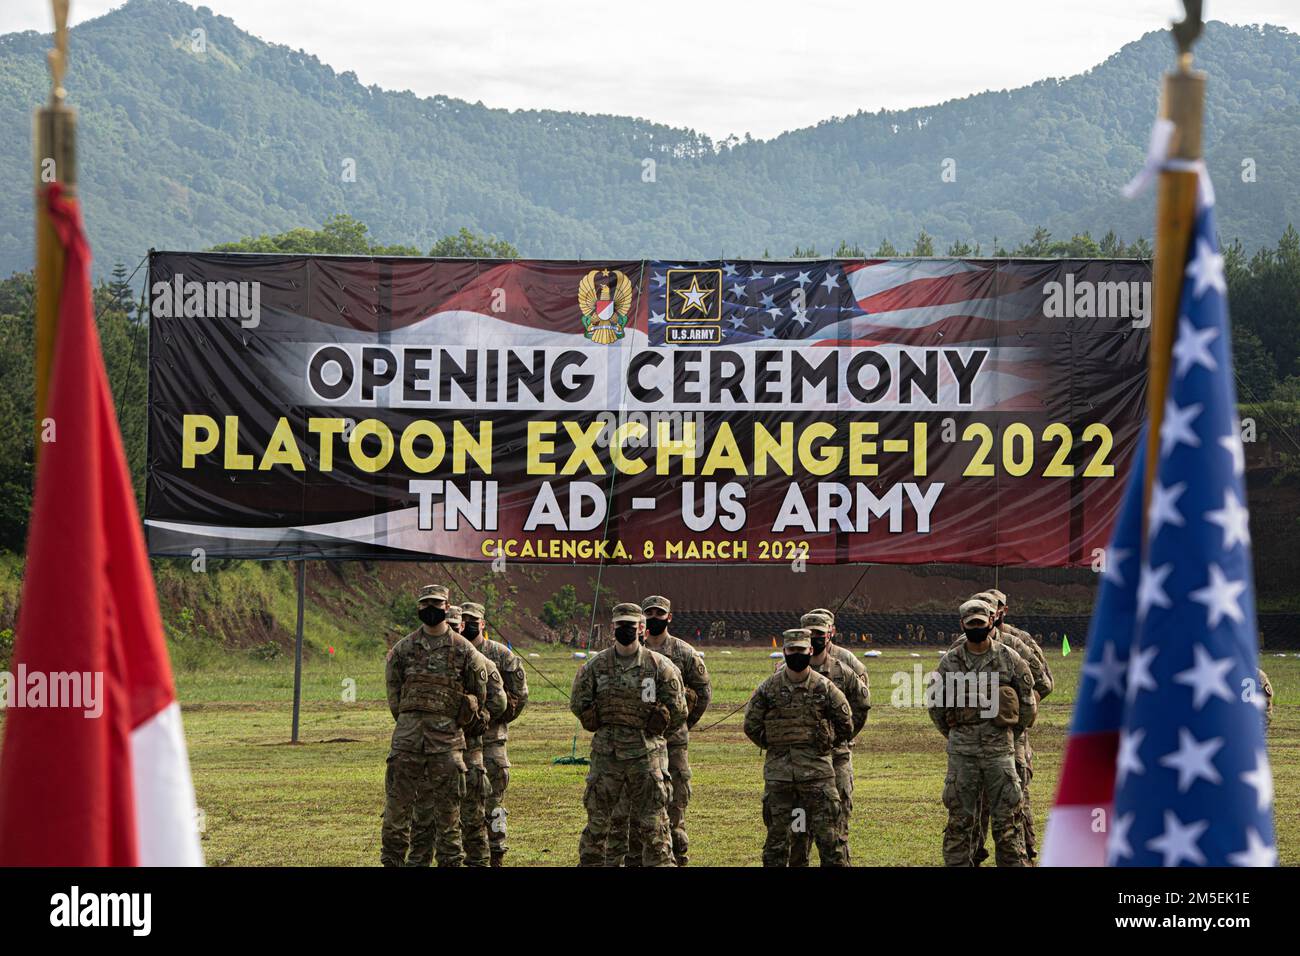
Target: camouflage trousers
column 1025, row 770
column 993, row 778
column 624, row 844
column 498, row 771
column 801, row 843
column 473, row 810
column 810, row 807
column 645, row 783
column 422, row 790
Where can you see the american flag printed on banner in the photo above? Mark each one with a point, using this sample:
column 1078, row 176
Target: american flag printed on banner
column 872, row 301
column 868, row 303
column 1166, row 763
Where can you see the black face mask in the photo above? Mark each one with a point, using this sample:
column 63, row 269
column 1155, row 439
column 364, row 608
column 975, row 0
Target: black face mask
column 977, row 635
column 471, row 629
column 625, row 634
column 797, row 662
column 818, row 645
column 656, row 625
column 433, row 616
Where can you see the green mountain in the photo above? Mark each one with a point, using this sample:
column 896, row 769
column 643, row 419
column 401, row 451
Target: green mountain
column 184, row 149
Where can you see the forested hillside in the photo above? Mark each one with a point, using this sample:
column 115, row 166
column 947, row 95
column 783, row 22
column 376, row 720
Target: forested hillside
column 185, row 148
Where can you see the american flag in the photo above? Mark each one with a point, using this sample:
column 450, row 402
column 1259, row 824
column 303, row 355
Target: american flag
column 861, row 302
column 867, row 303
column 1166, row 762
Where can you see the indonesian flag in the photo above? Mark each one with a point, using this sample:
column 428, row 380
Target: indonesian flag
column 89, row 778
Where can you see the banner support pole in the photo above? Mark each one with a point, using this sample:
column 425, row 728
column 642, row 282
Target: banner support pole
column 297, row 649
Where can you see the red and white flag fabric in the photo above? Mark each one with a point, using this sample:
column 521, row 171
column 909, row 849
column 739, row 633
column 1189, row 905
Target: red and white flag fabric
column 93, row 770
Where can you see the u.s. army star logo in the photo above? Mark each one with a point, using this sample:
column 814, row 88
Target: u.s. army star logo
column 604, row 315
column 694, row 295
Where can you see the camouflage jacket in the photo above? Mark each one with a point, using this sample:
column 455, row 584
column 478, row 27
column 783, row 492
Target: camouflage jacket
column 1266, row 690
column 1027, row 650
column 851, row 661
column 495, row 704
column 608, row 679
column 1037, row 655
column 445, row 656
column 694, row 675
column 962, row 698
column 855, row 692
column 813, row 711
column 516, row 685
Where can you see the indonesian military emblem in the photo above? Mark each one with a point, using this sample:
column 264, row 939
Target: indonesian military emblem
column 604, row 313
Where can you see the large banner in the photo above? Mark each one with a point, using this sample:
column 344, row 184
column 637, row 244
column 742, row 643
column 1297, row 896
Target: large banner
column 901, row 410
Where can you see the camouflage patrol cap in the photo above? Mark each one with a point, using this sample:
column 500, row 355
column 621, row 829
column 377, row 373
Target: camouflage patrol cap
column 628, row 612
column 825, row 611
column 659, row 601
column 998, row 595
column 988, row 597
column 472, row 609
column 976, row 611
column 796, row 637
column 453, row 613
column 433, row 592
column 817, row 621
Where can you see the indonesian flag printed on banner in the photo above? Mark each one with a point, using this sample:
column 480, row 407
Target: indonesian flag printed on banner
column 85, row 781
column 1166, row 763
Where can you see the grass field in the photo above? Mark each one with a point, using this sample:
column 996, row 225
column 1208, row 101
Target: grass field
column 265, row 802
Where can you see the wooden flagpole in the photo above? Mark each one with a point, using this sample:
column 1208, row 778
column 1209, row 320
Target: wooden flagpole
column 1182, row 102
column 55, row 159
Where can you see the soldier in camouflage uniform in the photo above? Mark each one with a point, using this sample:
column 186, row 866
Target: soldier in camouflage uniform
column 630, row 698
column 842, row 653
column 473, row 822
column 1265, row 688
column 857, row 691
column 623, row 844
column 799, row 716
column 980, row 693
column 436, row 681
column 1023, row 644
column 478, row 789
column 494, row 741
column 423, row 831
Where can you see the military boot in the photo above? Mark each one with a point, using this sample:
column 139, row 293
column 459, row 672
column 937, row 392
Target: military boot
column 498, row 857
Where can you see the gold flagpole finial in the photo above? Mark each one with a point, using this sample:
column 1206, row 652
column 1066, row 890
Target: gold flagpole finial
column 58, row 56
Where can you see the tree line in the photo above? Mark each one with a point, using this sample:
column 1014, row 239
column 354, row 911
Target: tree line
column 244, row 137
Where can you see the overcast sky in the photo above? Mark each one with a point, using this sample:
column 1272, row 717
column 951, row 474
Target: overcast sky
column 718, row 67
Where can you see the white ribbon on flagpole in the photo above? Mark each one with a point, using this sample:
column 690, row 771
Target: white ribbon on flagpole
column 1162, row 135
